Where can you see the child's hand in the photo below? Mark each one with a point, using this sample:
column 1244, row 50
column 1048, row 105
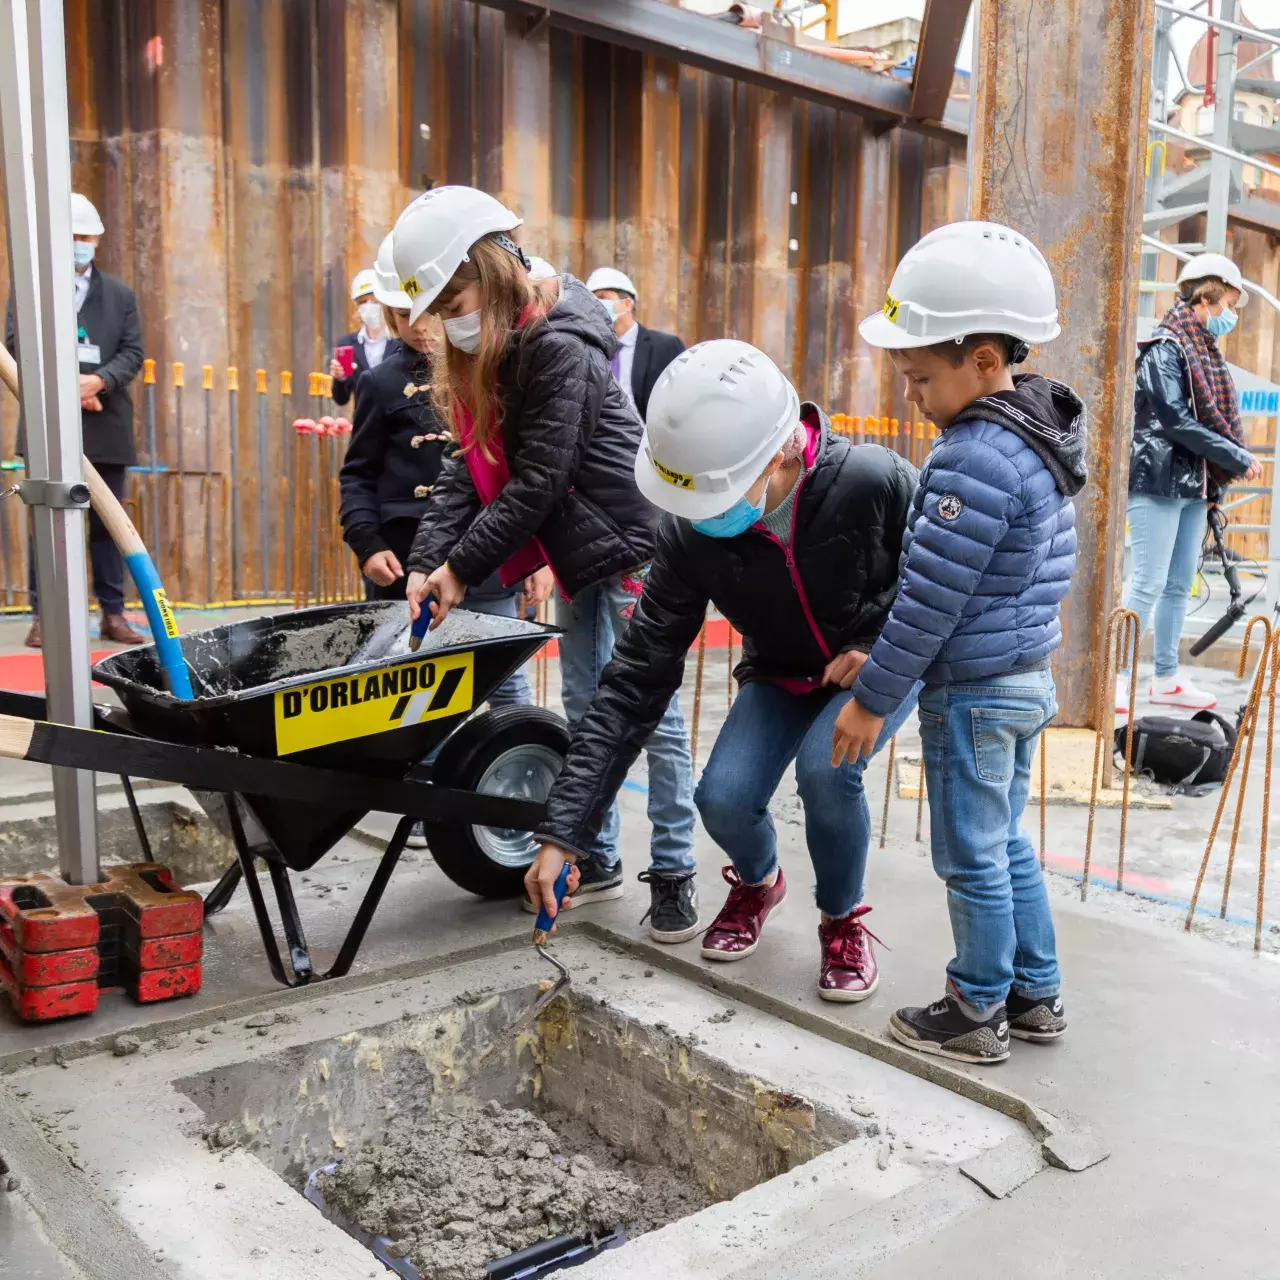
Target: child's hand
column 843, row 669
column 540, row 879
column 538, row 586
column 448, row 589
column 383, row 568
column 855, row 735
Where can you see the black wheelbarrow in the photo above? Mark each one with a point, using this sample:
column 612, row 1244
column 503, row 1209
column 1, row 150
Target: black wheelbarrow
column 305, row 722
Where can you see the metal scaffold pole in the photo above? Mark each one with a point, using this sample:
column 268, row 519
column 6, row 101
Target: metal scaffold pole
column 37, row 173
column 1221, row 165
column 1043, row 162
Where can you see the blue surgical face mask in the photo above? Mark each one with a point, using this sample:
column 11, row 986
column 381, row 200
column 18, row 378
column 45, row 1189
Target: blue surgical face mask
column 1221, row 325
column 738, row 519
column 610, row 308
column 83, row 252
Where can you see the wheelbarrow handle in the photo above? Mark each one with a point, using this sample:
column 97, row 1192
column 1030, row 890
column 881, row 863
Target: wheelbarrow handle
column 542, row 926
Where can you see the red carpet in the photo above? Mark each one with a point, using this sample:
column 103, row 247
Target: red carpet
column 24, row 672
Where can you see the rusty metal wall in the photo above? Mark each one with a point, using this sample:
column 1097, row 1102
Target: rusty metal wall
column 248, row 156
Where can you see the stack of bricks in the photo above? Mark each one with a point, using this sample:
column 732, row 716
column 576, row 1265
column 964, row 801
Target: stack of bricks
column 61, row 944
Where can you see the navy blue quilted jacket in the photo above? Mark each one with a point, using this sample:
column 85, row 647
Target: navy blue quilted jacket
column 990, row 546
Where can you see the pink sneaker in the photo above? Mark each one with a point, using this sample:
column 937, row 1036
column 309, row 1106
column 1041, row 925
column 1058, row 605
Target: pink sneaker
column 849, row 970
column 735, row 932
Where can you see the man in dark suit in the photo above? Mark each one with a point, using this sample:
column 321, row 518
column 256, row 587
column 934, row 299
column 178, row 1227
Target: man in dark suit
column 109, row 340
column 642, row 353
column 370, row 344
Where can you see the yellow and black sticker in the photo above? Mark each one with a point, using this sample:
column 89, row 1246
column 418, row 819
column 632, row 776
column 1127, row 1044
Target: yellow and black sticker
column 677, row 478
column 377, row 701
column 410, row 287
column 166, row 613
column 891, row 307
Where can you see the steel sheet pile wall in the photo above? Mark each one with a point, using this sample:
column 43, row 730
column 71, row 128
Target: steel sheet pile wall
column 248, row 155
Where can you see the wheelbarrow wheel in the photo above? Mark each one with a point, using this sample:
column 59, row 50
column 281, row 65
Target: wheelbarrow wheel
column 510, row 751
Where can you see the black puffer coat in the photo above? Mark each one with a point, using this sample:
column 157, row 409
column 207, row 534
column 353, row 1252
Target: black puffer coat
column 849, row 520
column 570, row 437
column 1171, row 447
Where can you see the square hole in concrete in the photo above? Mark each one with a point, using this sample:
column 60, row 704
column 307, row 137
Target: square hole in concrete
column 806, row 1154
column 443, row 1145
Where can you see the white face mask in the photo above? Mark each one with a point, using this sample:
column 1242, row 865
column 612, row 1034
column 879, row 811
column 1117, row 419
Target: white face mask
column 370, row 314
column 463, row 332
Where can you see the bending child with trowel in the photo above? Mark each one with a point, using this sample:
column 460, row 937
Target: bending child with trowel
column 794, row 535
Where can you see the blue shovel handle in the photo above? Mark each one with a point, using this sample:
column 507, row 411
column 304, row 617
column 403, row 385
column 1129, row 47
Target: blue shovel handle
column 542, row 926
column 420, row 625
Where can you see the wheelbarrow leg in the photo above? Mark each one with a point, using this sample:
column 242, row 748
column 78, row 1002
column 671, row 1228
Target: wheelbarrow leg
column 373, row 896
column 265, row 927
column 224, row 890
column 299, row 955
column 136, row 813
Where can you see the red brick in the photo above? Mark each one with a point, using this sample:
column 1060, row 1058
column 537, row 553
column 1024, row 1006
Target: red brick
column 166, row 984
column 42, row 1004
column 166, row 953
column 47, row 968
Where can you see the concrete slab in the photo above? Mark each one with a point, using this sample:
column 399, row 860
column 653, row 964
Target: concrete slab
column 131, row 1127
column 1171, row 1057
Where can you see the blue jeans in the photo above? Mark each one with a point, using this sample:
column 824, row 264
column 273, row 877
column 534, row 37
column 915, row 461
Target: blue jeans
column 1165, row 536
column 765, row 730
column 590, row 621
column 978, row 739
column 514, row 690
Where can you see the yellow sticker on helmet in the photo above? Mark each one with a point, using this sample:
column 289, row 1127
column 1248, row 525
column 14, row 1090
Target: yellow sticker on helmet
column 411, row 287
column 891, row 307
column 677, row 478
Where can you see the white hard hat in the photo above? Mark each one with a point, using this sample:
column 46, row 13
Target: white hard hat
column 611, row 278
column 718, row 413
column 1214, row 264
column 386, row 284
column 362, row 283
column 967, row 277
column 84, row 217
column 431, row 238
column 541, row 269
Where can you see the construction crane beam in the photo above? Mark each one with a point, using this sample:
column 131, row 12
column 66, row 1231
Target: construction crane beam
column 654, row 27
column 940, row 34
column 1058, row 149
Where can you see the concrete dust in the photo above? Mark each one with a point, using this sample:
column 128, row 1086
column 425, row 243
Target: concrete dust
column 458, row 1189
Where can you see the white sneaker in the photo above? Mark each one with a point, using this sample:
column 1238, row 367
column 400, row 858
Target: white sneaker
column 1122, row 695
column 1177, row 691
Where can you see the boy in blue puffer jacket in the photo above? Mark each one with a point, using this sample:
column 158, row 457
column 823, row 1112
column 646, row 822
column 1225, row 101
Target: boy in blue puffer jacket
column 986, row 560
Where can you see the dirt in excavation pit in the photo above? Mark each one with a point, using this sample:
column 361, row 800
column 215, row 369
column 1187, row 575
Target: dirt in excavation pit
column 456, row 1190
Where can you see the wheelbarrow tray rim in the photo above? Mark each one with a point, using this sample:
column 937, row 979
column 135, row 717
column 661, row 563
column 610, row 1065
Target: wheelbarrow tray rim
column 104, row 673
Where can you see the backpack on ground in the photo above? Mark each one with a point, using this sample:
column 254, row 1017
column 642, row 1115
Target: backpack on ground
column 1181, row 753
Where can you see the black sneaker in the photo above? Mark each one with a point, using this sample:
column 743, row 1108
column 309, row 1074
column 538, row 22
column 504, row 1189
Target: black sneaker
column 673, row 905
column 597, row 884
column 944, row 1029
column 1035, row 1019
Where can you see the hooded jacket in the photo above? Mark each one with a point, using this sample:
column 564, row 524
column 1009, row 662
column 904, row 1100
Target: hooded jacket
column 570, row 437
column 990, row 546
column 795, row 609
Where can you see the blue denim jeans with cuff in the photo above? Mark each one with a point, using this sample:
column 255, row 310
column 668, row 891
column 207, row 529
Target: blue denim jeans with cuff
column 978, row 742
column 766, row 729
column 591, row 620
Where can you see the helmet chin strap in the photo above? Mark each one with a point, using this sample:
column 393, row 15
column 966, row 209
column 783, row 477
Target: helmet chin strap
column 513, row 249
column 1018, row 350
